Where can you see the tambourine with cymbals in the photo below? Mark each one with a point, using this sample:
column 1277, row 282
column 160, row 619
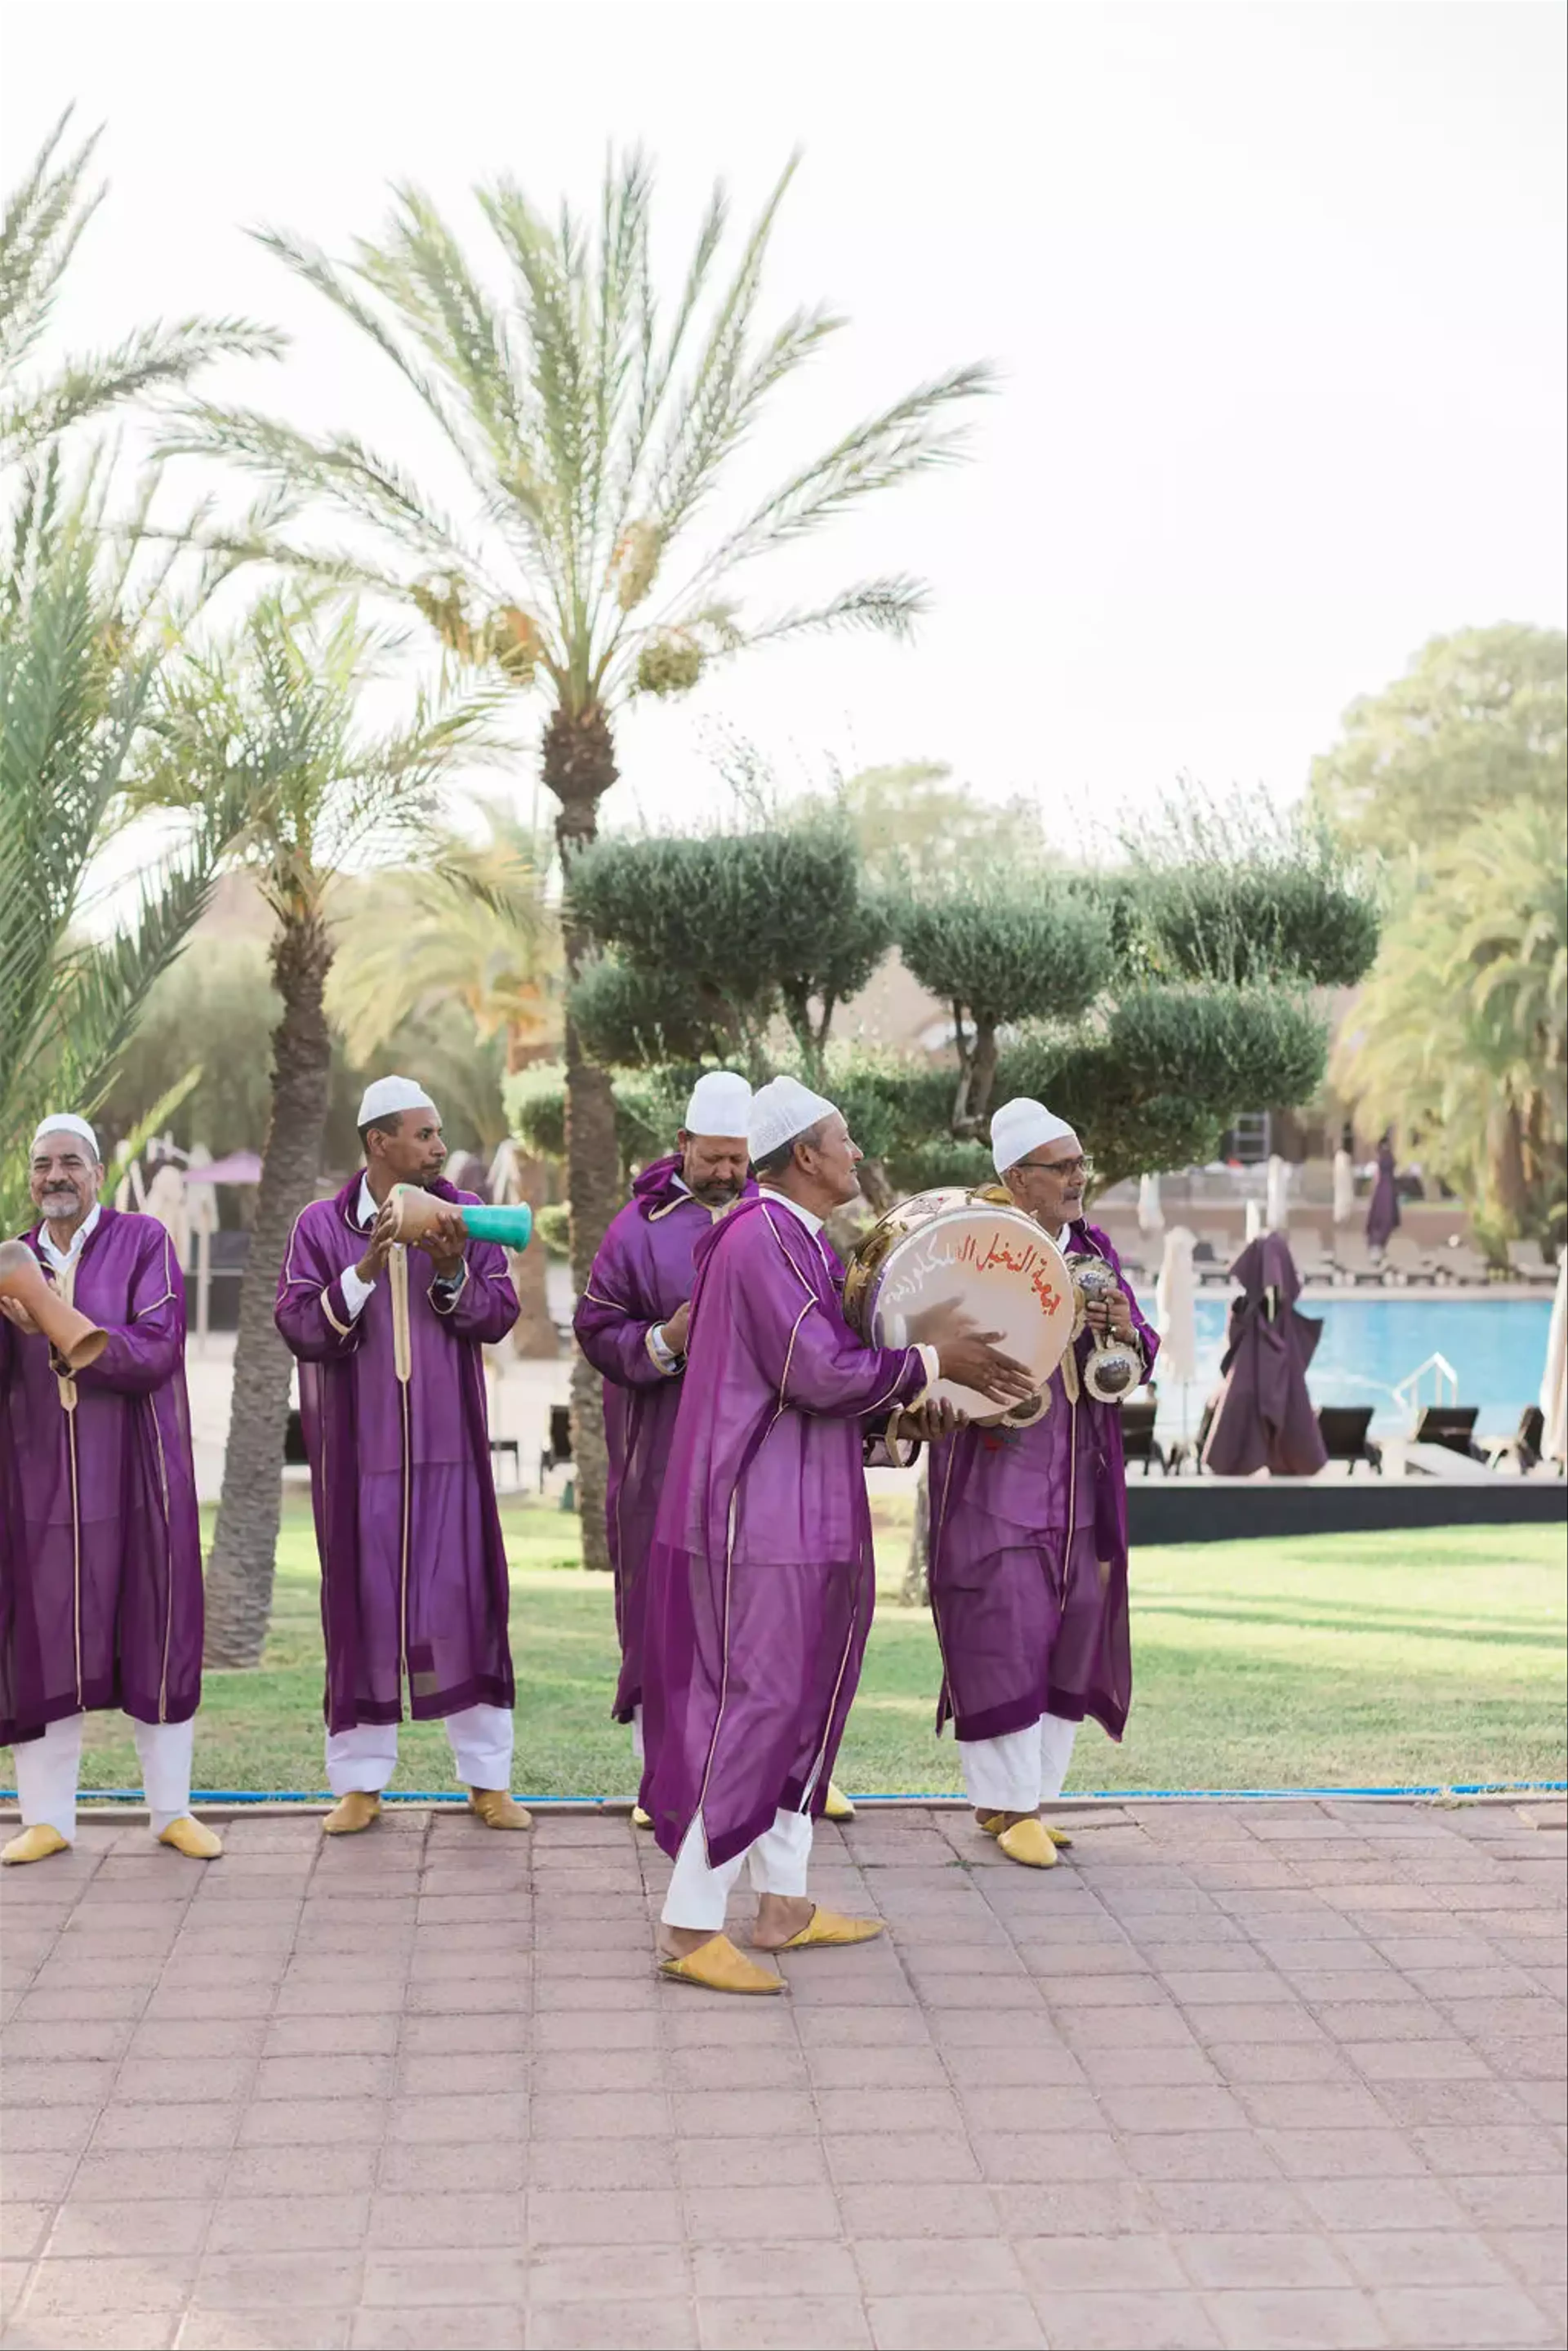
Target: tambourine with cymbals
column 949, row 1262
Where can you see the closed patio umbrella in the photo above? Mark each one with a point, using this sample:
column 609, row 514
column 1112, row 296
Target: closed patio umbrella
column 1555, row 1381
column 1264, row 1417
column 1343, row 1187
column 1277, row 1209
column 1150, row 1214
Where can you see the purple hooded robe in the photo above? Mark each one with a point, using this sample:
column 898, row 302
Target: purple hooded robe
column 761, row 1577
column 1264, row 1417
column 100, row 1548
column 413, row 1568
column 642, row 1273
column 1028, row 1556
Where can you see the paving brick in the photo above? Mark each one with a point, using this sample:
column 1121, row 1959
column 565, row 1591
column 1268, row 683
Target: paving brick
column 265, row 2330
column 913, row 2157
column 132, row 2231
column 934, row 2322
column 1163, row 2320
column 1068, row 2264
column 643, row 2324
column 1469, row 2317
column 290, row 2223
column 65, row 2292
column 494, row 2327
column 745, row 2215
column 942, row 2265
column 1321, row 2318
column 300, row 2281
column 134, row 2126
column 1260, row 2258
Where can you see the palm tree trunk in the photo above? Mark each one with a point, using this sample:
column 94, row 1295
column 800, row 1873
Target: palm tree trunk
column 244, row 1544
column 579, row 768
column 532, row 1333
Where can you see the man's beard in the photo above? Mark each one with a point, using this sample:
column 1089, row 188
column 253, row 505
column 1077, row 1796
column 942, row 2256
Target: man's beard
column 55, row 1205
column 716, row 1195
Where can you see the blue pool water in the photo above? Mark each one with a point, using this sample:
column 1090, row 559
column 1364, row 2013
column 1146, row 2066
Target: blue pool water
column 1498, row 1346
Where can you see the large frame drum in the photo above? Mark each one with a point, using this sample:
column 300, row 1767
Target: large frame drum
column 948, row 1262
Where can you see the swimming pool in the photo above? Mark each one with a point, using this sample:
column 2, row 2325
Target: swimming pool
column 1498, row 1346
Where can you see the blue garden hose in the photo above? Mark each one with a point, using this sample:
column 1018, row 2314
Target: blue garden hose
column 910, row 1796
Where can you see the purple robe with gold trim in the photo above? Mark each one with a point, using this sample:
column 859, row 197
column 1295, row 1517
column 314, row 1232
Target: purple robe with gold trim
column 1029, row 1557
column 642, row 1273
column 761, row 1578
column 413, row 1568
column 100, row 1546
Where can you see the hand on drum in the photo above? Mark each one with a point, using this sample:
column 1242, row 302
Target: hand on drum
column 931, row 1422
column 676, row 1326
column 975, row 1362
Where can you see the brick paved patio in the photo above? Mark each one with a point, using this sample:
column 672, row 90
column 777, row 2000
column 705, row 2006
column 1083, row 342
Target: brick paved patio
column 1284, row 2074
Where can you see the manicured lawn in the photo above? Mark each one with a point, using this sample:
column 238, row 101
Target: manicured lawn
column 1347, row 1662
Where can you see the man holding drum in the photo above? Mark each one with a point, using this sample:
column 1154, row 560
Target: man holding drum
column 1028, row 1537
column 391, row 1387
column 761, row 1578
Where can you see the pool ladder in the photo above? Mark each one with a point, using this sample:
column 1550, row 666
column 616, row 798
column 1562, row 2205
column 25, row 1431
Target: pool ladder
column 1408, row 1390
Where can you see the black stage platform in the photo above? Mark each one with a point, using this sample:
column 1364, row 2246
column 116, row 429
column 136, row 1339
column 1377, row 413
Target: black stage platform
column 1234, row 1510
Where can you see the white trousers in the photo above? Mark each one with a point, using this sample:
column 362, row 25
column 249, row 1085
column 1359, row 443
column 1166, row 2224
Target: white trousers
column 636, row 1754
column 777, row 1861
column 366, row 1757
column 48, row 1769
column 1022, row 1770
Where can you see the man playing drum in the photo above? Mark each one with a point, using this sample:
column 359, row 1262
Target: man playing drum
column 761, row 1578
column 1028, row 1537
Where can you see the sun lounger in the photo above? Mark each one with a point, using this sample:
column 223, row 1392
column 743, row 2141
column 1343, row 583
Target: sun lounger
column 1449, row 1425
column 1524, row 1448
column 1407, row 1260
column 1528, row 1264
column 1343, row 1429
column 1139, row 1440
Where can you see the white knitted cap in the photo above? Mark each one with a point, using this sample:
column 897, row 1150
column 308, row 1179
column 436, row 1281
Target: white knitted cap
column 782, row 1110
column 66, row 1122
column 1020, row 1127
column 721, row 1104
column 385, row 1097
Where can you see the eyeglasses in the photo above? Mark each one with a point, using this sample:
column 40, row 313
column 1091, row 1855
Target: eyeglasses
column 1062, row 1167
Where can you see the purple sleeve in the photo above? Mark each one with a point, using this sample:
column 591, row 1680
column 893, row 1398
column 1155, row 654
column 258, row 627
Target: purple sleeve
column 311, row 1312
column 148, row 1350
column 613, row 1335
column 1144, row 1333
column 485, row 1308
column 801, row 1342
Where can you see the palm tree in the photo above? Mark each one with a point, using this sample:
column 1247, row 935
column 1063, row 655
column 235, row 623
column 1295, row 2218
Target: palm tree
column 1460, row 1035
column 592, row 428
column 474, row 931
column 81, row 639
column 270, row 717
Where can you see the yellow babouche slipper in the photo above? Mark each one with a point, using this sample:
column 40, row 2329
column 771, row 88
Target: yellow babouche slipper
column 352, row 1812
column 830, row 1927
column 192, row 1837
column 640, row 1819
column 837, row 1806
column 994, row 1825
column 718, row 1966
column 498, row 1810
column 35, row 1844
column 1030, row 1843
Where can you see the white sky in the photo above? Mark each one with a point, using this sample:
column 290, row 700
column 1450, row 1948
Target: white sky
column 1278, row 292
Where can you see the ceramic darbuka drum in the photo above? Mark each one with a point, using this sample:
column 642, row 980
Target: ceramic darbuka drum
column 944, row 1264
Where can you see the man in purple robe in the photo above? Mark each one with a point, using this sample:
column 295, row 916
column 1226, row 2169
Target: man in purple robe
column 1383, row 1208
column 1028, row 1538
column 761, row 1578
column 100, row 1548
column 414, row 1588
column 631, row 1324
